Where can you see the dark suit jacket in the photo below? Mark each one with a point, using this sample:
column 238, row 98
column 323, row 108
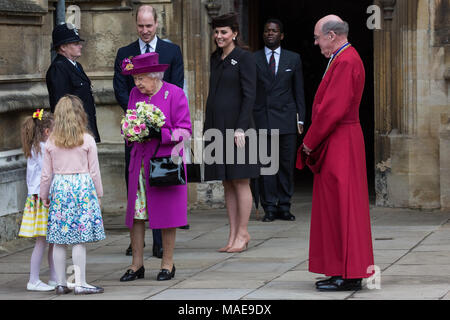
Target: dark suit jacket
column 169, row 53
column 279, row 98
column 64, row 78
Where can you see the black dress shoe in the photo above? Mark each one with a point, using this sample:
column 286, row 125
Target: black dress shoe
column 339, row 284
column 130, row 275
column 269, row 217
column 327, row 281
column 165, row 274
column 186, row 227
column 129, row 251
column 157, row 251
column 286, row 215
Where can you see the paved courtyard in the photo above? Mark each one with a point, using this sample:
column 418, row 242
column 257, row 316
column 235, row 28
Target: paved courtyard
column 412, row 250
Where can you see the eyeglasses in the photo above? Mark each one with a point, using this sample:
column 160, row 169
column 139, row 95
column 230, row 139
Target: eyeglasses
column 318, row 37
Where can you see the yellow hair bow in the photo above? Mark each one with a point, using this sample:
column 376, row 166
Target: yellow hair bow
column 38, row 114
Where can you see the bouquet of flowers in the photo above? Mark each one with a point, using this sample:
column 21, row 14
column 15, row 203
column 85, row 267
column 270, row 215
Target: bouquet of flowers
column 136, row 123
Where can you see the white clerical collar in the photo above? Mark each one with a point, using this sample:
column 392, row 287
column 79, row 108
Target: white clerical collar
column 269, row 51
column 152, row 44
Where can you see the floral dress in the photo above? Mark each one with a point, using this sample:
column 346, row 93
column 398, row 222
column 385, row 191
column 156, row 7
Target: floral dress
column 74, row 213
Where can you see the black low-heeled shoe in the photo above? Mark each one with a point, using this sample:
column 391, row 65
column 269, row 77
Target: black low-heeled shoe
column 327, row 281
column 340, row 284
column 130, row 275
column 165, row 274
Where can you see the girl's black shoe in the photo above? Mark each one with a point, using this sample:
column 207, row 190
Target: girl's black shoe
column 130, row 275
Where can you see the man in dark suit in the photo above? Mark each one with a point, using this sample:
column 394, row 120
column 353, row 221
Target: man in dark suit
column 280, row 105
column 66, row 76
column 146, row 25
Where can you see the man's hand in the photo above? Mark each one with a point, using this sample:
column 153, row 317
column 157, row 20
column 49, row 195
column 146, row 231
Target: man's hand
column 306, row 150
column 300, row 128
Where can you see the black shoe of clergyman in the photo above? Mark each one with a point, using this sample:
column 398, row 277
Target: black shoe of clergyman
column 339, row 284
column 269, row 217
column 130, row 275
column 286, row 215
column 327, row 281
column 165, row 274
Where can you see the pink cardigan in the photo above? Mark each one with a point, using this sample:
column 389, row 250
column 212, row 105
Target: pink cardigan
column 82, row 159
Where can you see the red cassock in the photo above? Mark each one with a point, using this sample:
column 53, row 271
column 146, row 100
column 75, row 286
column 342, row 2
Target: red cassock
column 340, row 237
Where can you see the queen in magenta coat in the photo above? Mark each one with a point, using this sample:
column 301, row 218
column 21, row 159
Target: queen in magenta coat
column 164, row 207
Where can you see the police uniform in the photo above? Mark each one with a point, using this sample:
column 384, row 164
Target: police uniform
column 65, row 76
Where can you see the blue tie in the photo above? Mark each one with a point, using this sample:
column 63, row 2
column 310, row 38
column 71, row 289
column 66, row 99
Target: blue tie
column 147, row 46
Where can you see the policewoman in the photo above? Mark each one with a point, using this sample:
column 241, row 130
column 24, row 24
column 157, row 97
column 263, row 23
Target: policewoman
column 66, row 76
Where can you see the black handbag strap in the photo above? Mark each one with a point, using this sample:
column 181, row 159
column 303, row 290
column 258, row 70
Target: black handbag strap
column 156, row 150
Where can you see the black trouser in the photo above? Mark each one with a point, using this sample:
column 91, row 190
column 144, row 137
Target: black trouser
column 157, row 237
column 276, row 190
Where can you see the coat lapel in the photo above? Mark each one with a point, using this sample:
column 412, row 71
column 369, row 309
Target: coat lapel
column 74, row 70
column 263, row 65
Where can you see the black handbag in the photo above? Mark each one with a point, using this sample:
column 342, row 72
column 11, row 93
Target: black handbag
column 193, row 171
column 164, row 172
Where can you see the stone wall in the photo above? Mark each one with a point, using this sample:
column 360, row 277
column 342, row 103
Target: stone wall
column 411, row 105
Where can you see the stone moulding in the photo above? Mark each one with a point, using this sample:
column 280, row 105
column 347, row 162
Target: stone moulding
column 22, row 12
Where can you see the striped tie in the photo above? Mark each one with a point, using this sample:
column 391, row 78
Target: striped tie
column 272, row 63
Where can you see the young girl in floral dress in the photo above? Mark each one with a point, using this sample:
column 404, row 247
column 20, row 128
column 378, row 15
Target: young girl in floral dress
column 35, row 131
column 71, row 186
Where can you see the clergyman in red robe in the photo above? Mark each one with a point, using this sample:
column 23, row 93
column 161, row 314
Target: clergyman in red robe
column 333, row 148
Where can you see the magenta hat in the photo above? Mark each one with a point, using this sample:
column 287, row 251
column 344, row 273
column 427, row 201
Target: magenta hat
column 144, row 63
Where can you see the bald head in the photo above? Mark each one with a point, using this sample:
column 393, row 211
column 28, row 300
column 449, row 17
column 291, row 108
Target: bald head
column 333, row 23
column 145, row 10
column 330, row 34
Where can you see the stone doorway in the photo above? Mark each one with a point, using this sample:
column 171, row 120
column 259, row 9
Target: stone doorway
column 299, row 18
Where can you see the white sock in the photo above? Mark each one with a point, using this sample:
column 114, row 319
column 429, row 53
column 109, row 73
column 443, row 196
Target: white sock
column 36, row 259
column 51, row 264
column 59, row 259
column 79, row 261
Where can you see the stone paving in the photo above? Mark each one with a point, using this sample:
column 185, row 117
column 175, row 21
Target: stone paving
column 412, row 250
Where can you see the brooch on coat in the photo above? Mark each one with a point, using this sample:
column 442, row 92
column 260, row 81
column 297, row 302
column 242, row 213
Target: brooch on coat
column 233, row 62
column 165, row 95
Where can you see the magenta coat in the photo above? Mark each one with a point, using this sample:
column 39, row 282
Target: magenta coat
column 166, row 206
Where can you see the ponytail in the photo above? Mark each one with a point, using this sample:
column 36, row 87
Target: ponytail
column 32, row 132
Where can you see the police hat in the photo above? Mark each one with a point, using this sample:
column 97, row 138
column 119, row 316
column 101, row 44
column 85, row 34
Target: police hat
column 65, row 33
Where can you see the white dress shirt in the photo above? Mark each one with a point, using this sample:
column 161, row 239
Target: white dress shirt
column 276, row 56
column 152, row 44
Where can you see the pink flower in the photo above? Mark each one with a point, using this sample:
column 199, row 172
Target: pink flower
column 143, row 126
column 137, row 129
column 132, row 117
column 125, row 125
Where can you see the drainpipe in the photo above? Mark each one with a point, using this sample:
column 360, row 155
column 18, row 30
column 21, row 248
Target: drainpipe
column 60, row 19
column 61, row 12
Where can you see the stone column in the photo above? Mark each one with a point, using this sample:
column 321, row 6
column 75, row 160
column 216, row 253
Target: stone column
column 383, row 102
